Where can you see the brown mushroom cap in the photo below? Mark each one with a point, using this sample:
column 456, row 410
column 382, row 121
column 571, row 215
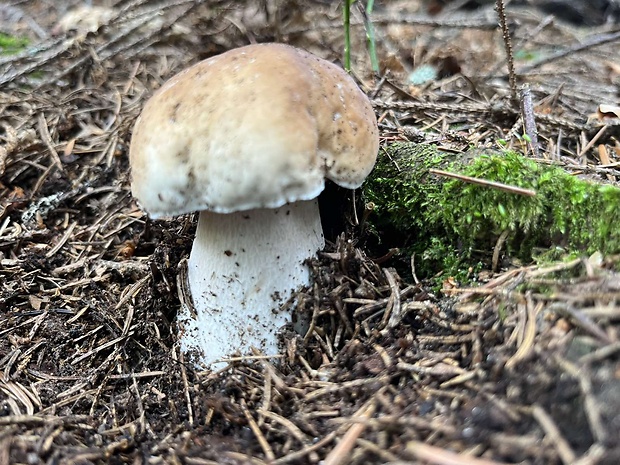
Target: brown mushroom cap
column 255, row 127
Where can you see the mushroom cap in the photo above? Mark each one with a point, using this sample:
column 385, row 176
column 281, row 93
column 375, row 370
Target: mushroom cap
column 255, row 127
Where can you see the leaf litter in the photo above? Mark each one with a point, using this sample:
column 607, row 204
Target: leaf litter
column 522, row 368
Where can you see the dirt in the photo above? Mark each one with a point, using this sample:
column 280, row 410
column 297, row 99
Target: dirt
column 518, row 366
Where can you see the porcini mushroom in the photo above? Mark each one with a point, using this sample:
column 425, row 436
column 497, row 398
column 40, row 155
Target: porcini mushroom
column 247, row 138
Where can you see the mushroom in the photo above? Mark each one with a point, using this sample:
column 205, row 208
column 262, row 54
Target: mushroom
column 247, row 138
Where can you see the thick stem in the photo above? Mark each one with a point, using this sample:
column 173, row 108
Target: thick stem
column 242, row 268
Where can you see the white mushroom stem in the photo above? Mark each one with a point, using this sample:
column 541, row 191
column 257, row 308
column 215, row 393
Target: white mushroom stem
column 242, row 268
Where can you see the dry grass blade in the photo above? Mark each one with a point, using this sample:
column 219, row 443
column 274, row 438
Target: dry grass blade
column 438, row 456
column 18, row 396
column 340, row 453
column 526, row 342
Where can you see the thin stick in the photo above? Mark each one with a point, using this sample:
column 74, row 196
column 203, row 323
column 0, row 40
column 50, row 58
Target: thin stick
column 47, row 138
column 593, row 141
column 340, row 453
column 439, row 456
column 592, row 408
column 484, row 182
column 529, row 121
column 396, row 314
column 578, row 47
column 258, row 433
column 188, row 397
column 512, row 78
column 294, row 457
column 566, row 453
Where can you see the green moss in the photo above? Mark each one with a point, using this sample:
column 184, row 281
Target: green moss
column 452, row 225
column 478, row 211
column 395, row 185
column 405, row 196
column 10, row 45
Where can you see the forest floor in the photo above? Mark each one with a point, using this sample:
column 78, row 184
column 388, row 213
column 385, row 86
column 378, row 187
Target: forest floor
column 519, row 365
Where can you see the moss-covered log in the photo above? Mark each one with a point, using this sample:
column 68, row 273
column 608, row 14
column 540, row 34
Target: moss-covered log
column 452, row 225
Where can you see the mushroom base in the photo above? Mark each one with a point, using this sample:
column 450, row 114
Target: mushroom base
column 242, row 268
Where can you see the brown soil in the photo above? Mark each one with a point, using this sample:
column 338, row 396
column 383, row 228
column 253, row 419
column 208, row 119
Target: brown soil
column 523, row 367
